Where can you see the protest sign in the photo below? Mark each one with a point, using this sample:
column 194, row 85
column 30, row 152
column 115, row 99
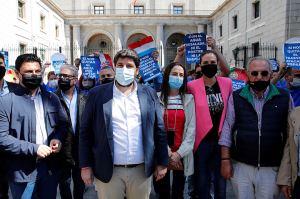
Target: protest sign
column 90, row 66
column 57, row 60
column 195, row 44
column 149, row 67
column 275, row 65
column 237, row 84
column 292, row 55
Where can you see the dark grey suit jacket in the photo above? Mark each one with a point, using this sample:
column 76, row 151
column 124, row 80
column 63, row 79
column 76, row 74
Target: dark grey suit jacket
column 18, row 131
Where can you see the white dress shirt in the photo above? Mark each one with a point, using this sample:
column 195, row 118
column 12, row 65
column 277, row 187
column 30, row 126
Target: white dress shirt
column 127, row 128
column 72, row 106
column 41, row 133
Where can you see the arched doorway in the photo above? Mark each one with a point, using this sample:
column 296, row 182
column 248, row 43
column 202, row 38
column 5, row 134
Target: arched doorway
column 135, row 37
column 99, row 42
column 174, row 41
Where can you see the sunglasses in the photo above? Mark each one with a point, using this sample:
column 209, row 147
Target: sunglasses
column 264, row 73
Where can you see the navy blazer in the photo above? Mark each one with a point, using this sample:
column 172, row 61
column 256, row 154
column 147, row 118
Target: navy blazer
column 18, row 130
column 96, row 146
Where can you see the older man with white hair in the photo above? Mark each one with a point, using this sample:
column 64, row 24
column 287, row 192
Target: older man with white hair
column 254, row 134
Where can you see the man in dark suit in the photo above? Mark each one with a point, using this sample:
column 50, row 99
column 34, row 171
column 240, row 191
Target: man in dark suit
column 32, row 128
column 122, row 139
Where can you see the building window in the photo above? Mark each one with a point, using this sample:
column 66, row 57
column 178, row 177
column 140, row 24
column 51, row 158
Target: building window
column 221, row 49
column 98, row 10
column 256, row 9
column 138, row 9
column 22, row 48
column 56, row 31
column 21, row 9
column 221, row 30
column 255, row 49
column 235, row 22
column 42, row 22
column 177, row 10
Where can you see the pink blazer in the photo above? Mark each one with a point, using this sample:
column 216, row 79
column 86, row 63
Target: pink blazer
column 203, row 119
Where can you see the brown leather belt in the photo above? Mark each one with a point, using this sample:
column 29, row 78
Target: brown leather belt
column 127, row 165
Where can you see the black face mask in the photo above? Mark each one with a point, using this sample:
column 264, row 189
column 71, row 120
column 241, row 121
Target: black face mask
column 107, row 80
column 31, row 81
column 64, row 84
column 259, row 85
column 2, row 72
column 198, row 74
column 209, row 70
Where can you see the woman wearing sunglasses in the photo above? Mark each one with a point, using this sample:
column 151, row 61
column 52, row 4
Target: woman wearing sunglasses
column 211, row 94
column 179, row 119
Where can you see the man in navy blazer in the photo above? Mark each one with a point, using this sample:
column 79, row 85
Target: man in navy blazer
column 32, row 128
column 122, row 137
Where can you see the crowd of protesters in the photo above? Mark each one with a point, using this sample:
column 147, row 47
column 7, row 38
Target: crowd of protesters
column 119, row 137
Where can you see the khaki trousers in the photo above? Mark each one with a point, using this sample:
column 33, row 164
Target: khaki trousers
column 129, row 182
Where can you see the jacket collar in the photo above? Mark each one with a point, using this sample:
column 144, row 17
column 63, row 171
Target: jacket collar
column 246, row 93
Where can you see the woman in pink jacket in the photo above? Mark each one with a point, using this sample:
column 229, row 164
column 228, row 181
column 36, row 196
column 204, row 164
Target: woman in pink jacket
column 211, row 94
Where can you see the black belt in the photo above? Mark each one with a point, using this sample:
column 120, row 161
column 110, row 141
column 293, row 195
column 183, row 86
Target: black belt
column 127, row 165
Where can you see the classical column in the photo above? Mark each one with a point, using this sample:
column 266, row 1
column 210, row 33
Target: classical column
column 209, row 29
column 200, row 28
column 119, row 43
column 159, row 40
column 67, row 47
column 76, row 41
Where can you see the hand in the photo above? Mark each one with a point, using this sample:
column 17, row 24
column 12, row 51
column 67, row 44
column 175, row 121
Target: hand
column 55, row 145
column 160, row 172
column 287, row 191
column 43, row 151
column 180, row 50
column 169, row 151
column 175, row 157
column 282, row 68
column 226, row 169
column 211, row 42
column 87, row 176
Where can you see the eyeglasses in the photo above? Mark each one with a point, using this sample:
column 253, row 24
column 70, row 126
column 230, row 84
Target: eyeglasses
column 65, row 76
column 264, row 73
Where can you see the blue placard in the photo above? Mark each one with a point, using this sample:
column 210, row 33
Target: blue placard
column 195, row 44
column 292, row 55
column 90, row 66
column 5, row 54
column 237, row 84
column 149, row 68
column 56, row 65
column 275, row 65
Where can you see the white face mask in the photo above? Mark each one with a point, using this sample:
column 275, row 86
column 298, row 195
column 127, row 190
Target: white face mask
column 124, row 76
column 53, row 83
column 295, row 82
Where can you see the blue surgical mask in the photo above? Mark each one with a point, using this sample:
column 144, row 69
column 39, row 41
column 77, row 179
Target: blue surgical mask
column 175, row 82
column 124, row 76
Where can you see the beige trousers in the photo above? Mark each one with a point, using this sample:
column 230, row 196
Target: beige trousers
column 129, row 182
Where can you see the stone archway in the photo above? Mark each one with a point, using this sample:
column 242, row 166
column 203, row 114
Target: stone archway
column 173, row 41
column 135, row 37
column 99, row 42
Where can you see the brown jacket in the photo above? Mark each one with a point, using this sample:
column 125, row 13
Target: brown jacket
column 288, row 170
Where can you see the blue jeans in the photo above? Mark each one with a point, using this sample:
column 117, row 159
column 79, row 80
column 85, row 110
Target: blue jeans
column 65, row 183
column 207, row 164
column 45, row 185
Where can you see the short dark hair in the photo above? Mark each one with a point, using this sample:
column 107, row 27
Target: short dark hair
column 208, row 52
column 50, row 73
column 127, row 53
column 165, row 88
column 26, row 58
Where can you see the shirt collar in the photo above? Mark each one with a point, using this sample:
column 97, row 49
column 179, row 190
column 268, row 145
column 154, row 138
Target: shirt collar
column 264, row 96
column 66, row 97
column 117, row 92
